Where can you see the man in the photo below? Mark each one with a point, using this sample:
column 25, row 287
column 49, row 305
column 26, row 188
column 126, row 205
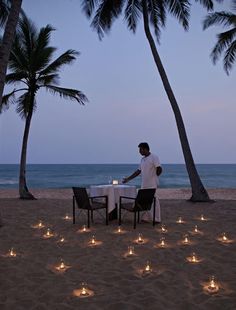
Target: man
column 150, row 169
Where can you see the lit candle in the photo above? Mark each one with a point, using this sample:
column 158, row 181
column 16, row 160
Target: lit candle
column 48, row 233
column 148, row 267
column 202, row 217
column 130, row 250
column 140, row 238
column 62, row 265
column 12, row 253
column 84, row 228
column 213, row 287
column 40, row 224
column 162, row 244
column 196, row 229
column 186, row 239
column 224, row 238
column 93, row 241
column 84, row 291
column 194, row 258
column 163, row 228
column 62, row 239
column 119, row 229
column 180, row 220
column 67, row 217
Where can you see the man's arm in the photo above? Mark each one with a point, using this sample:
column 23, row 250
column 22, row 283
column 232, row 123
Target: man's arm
column 132, row 176
column 158, row 170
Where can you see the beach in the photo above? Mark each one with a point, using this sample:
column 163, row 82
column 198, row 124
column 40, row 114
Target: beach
column 115, row 280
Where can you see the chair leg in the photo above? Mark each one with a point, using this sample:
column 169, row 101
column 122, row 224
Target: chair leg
column 88, row 219
column 134, row 220
column 120, row 215
column 73, row 210
column 106, row 215
column 92, row 216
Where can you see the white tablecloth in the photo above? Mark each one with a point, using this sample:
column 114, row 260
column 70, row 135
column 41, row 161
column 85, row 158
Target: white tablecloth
column 113, row 192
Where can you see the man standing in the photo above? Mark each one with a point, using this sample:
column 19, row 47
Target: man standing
column 150, row 169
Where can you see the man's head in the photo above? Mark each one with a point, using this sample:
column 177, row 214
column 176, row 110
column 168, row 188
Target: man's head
column 144, row 149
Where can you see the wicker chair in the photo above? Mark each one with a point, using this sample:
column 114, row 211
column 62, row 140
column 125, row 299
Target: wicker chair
column 143, row 202
column 84, row 202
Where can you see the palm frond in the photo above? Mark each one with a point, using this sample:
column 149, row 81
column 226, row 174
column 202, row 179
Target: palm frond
column 180, row 9
column 88, row 6
column 24, row 105
column 4, row 11
column 67, row 93
column 157, row 12
column 224, row 40
column 219, row 18
column 15, row 77
column 7, row 100
column 105, row 15
column 66, row 58
column 132, row 13
column 230, row 57
column 48, row 79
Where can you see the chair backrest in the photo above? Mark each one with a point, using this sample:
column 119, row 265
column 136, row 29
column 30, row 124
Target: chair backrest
column 81, row 197
column 144, row 199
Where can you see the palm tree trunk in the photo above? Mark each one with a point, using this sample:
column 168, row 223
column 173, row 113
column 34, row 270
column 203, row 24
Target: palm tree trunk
column 199, row 193
column 23, row 190
column 7, row 41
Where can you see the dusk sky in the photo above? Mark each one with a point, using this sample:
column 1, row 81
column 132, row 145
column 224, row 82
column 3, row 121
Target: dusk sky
column 127, row 102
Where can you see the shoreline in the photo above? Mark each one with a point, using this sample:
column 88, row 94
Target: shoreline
column 163, row 193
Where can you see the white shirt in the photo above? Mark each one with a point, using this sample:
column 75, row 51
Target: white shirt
column 148, row 167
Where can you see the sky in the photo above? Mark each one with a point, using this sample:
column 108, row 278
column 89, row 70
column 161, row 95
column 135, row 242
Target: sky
column 127, row 102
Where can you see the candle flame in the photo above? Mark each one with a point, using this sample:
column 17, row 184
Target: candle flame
column 202, row 218
column 119, row 229
column 130, row 250
column 196, row 229
column 12, row 253
column 162, row 242
column 93, row 241
column 84, row 228
column 224, row 238
column 62, row 265
column 186, row 240
column 180, row 220
column 140, row 239
column 148, row 267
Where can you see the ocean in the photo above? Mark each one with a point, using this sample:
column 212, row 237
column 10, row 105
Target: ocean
column 68, row 175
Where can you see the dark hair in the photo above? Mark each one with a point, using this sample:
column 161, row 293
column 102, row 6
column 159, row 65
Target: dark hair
column 144, row 145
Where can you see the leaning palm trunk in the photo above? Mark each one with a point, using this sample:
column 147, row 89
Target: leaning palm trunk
column 23, row 190
column 199, row 193
column 7, row 41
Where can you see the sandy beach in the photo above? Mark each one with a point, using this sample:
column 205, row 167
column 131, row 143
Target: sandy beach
column 33, row 279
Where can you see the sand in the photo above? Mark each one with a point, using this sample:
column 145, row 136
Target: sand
column 30, row 280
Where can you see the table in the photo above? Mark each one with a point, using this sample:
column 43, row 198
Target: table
column 113, row 192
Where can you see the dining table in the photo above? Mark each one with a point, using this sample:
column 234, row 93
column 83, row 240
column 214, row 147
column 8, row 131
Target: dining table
column 113, row 192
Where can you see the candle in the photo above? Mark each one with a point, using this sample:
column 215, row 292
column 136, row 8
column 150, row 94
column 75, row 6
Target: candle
column 196, row 229
column 186, row 239
column 224, row 237
column 130, row 250
column 93, row 241
column 180, row 220
column 12, row 253
column 84, row 291
column 148, row 267
column 163, row 228
column 62, row 239
column 212, row 287
column 202, row 218
column 48, row 233
column 162, row 244
column 62, row 265
column 84, row 228
column 119, row 229
column 40, row 224
column 67, row 217
column 140, row 238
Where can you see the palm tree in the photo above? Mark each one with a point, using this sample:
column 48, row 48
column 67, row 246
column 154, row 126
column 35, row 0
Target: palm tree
column 153, row 12
column 8, row 37
column 31, row 66
column 226, row 41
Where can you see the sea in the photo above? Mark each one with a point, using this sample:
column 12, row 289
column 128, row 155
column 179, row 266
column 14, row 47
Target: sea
column 68, row 175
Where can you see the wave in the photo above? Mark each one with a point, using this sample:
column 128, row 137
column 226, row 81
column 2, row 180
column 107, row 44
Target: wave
column 8, row 182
